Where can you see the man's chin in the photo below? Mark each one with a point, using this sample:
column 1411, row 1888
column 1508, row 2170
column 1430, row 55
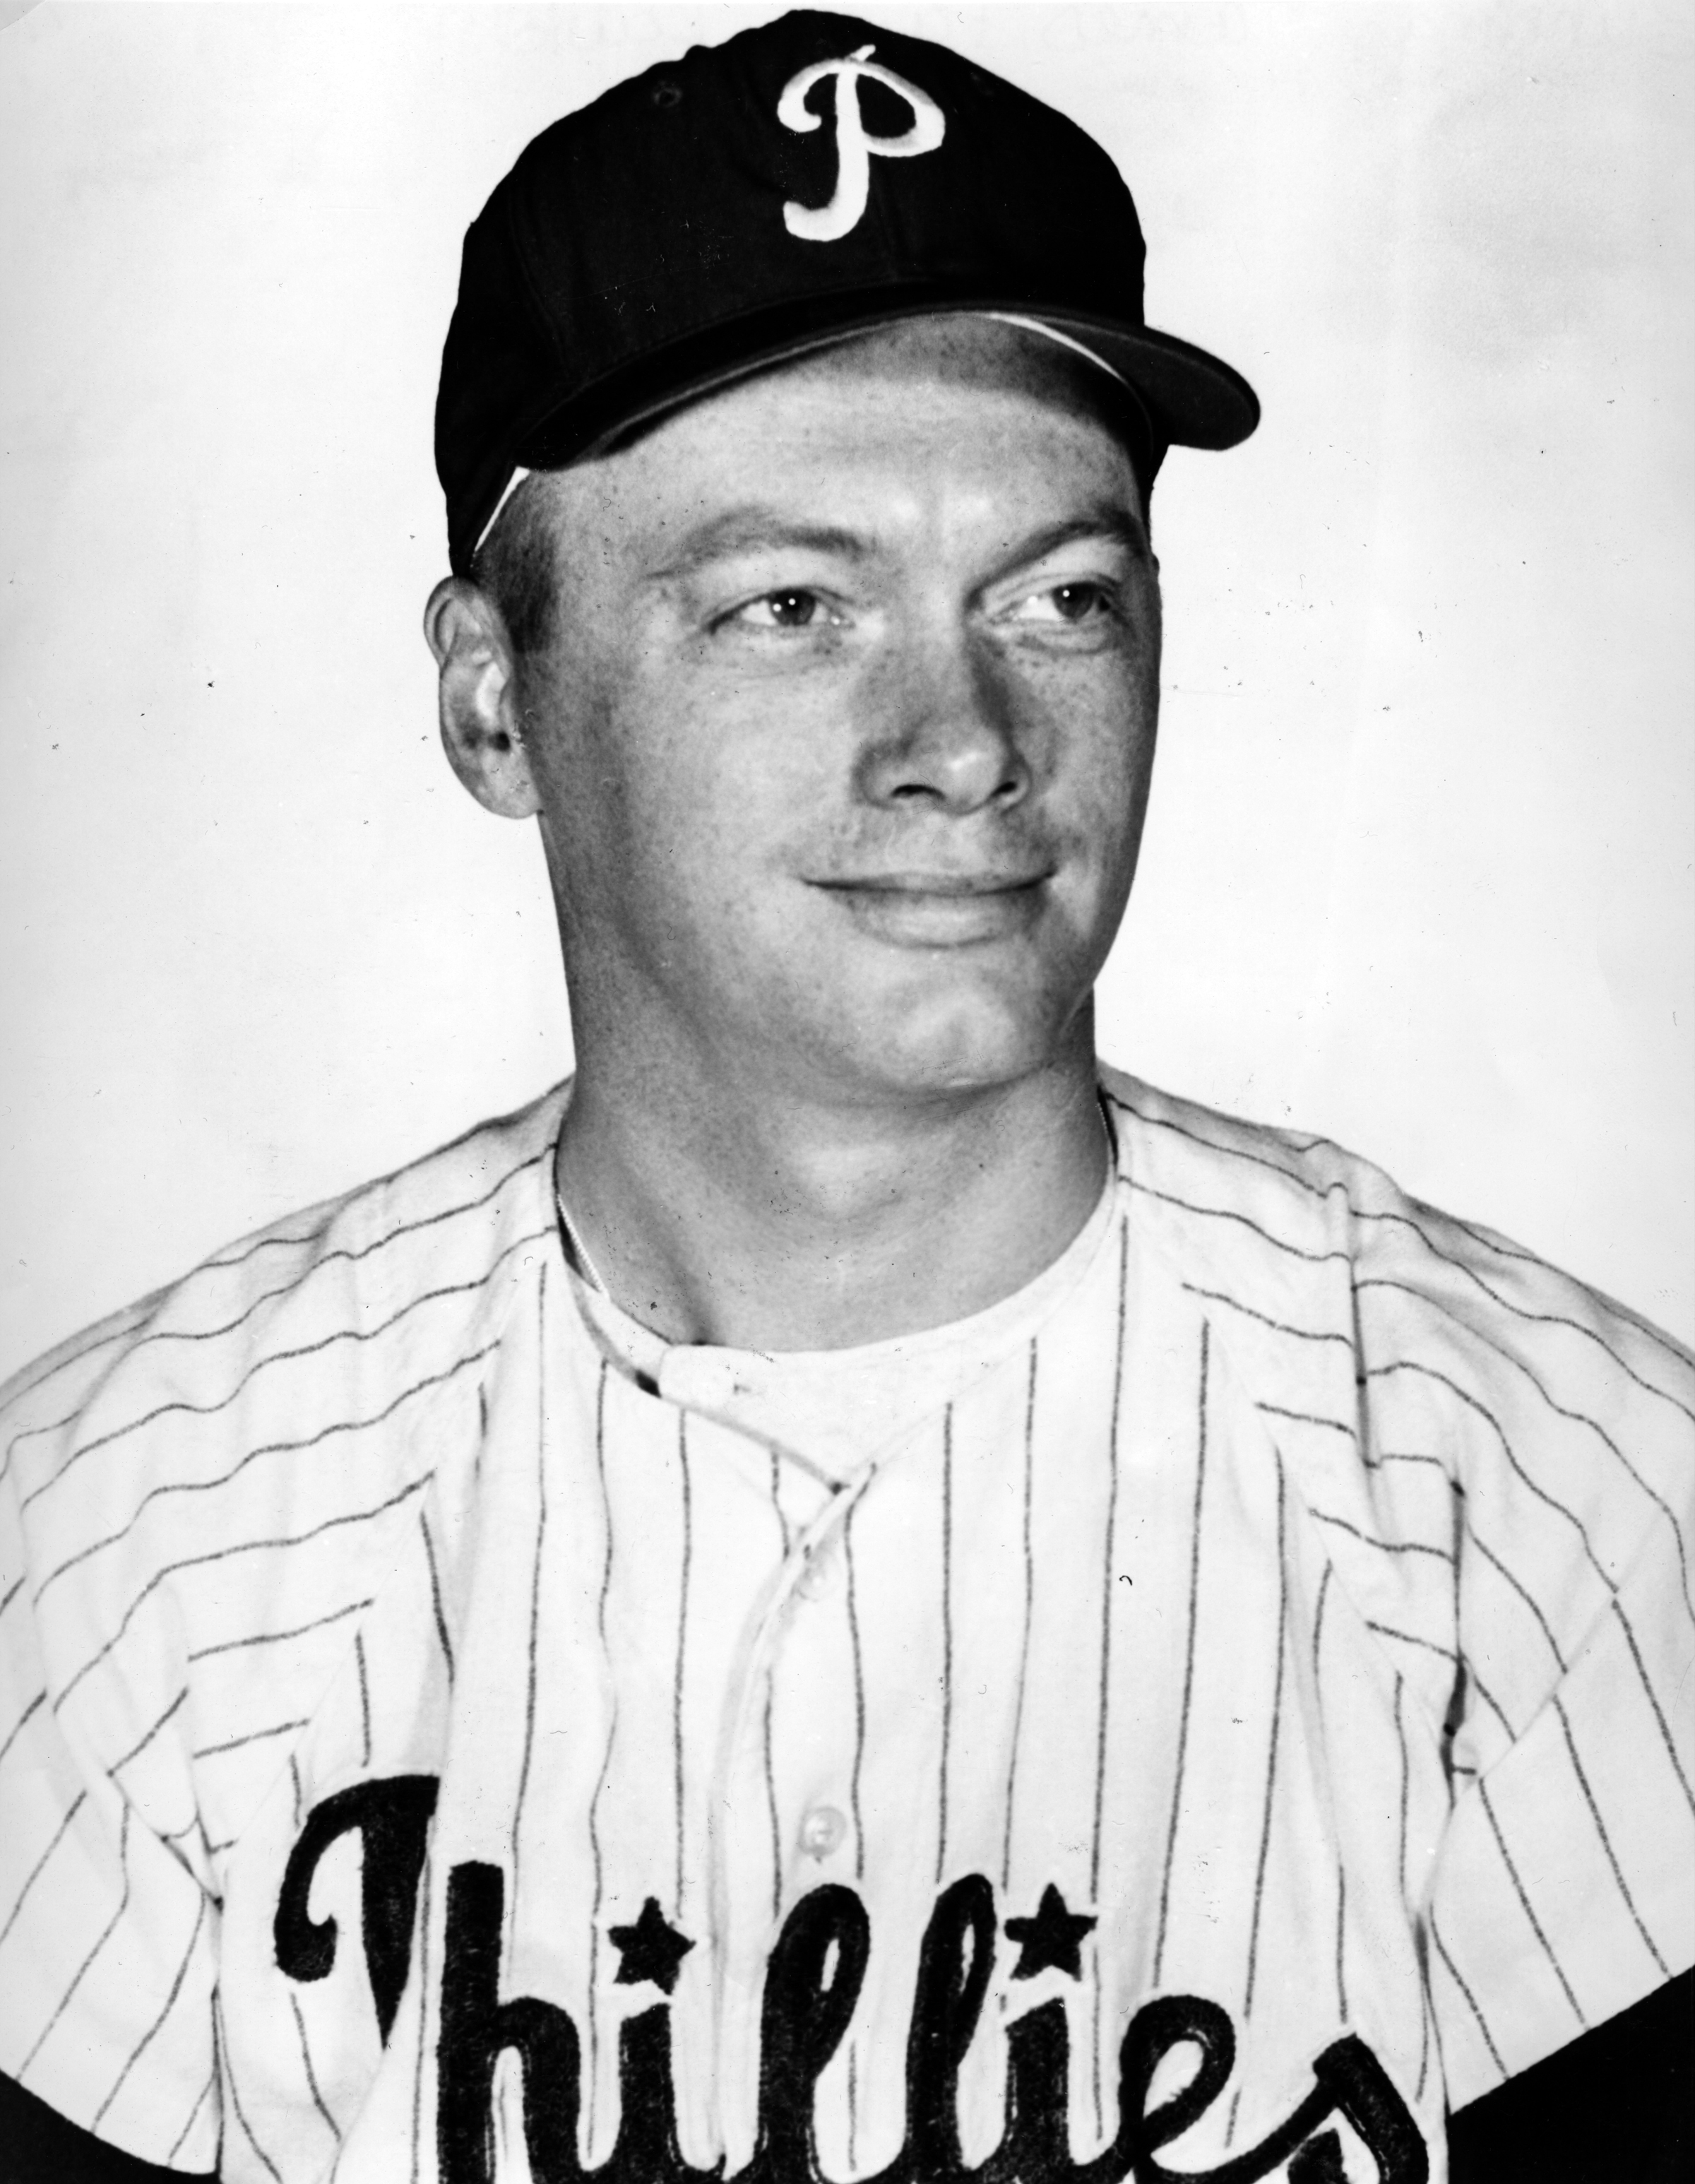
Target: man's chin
column 975, row 1038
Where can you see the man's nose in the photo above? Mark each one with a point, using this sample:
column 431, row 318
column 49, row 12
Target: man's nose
column 943, row 731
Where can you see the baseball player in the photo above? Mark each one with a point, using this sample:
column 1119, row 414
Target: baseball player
column 849, row 1595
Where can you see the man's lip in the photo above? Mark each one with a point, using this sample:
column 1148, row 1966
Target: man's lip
column 948, row 910
column 934, row 884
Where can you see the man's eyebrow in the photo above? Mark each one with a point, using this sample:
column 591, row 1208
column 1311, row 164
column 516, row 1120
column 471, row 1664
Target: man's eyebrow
column 751, row 528
column 1107, row 521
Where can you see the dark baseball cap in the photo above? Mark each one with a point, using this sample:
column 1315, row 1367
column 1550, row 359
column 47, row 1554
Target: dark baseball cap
column 805, row 179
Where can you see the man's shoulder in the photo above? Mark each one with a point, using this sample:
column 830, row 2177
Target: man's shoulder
column 1287, row 1231
column 1219, row 1185
column 1167, row 1143
column 421, row 1244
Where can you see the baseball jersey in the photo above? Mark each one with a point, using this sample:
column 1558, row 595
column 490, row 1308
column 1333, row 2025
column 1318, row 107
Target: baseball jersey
column 1241, row 1716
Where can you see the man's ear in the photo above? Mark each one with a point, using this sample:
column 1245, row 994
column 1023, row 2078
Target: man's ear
column 481, row 728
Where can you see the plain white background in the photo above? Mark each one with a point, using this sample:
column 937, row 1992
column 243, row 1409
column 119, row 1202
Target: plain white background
column 1418, row 873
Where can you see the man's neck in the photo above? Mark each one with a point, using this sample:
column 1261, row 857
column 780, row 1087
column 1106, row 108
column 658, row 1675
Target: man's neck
column 778, row 1224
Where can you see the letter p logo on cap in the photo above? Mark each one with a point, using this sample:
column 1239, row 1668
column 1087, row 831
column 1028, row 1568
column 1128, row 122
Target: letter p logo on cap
column 829, row 222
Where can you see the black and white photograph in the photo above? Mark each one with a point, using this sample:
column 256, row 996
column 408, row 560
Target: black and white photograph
column 847, row 1216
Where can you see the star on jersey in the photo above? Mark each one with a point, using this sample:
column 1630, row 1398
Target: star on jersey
column 651, row 1949
column 1052, row 1938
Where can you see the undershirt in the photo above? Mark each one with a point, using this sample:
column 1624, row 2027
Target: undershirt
column 832, row 1409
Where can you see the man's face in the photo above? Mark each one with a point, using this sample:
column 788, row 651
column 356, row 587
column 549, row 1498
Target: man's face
column 842, row 740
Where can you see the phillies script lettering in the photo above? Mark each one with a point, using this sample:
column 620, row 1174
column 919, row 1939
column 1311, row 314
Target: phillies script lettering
column 813, row 1979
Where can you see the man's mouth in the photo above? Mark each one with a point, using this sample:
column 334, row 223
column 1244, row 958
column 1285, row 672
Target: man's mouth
column 922, row 909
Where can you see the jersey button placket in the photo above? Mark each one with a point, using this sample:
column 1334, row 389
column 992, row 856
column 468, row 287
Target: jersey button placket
column 756, row 1846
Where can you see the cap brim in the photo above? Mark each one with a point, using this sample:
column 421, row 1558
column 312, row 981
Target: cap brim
column 1192, row 399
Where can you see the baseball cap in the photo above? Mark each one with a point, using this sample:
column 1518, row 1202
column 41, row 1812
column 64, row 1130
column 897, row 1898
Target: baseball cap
column 808, row 179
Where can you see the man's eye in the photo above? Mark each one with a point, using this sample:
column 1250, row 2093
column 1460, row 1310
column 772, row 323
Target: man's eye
column 783, row 610
column 1065, row 602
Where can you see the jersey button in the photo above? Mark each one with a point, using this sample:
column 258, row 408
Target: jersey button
column 817, row 1580
column 708, row 1381
column 824, row 1830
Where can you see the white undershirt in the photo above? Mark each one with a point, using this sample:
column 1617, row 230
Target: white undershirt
column 837, row 1408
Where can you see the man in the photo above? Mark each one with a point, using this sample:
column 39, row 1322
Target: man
column 847, row 1594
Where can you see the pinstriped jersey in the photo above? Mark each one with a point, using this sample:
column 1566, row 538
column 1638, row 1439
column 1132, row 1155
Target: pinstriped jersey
column 1243, row 1716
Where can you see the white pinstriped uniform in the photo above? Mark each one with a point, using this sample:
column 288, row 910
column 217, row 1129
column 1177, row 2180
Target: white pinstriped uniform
column 1303, row 1597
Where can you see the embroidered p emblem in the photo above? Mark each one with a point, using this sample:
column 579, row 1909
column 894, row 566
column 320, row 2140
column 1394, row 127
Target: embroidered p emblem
column 829, row 222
